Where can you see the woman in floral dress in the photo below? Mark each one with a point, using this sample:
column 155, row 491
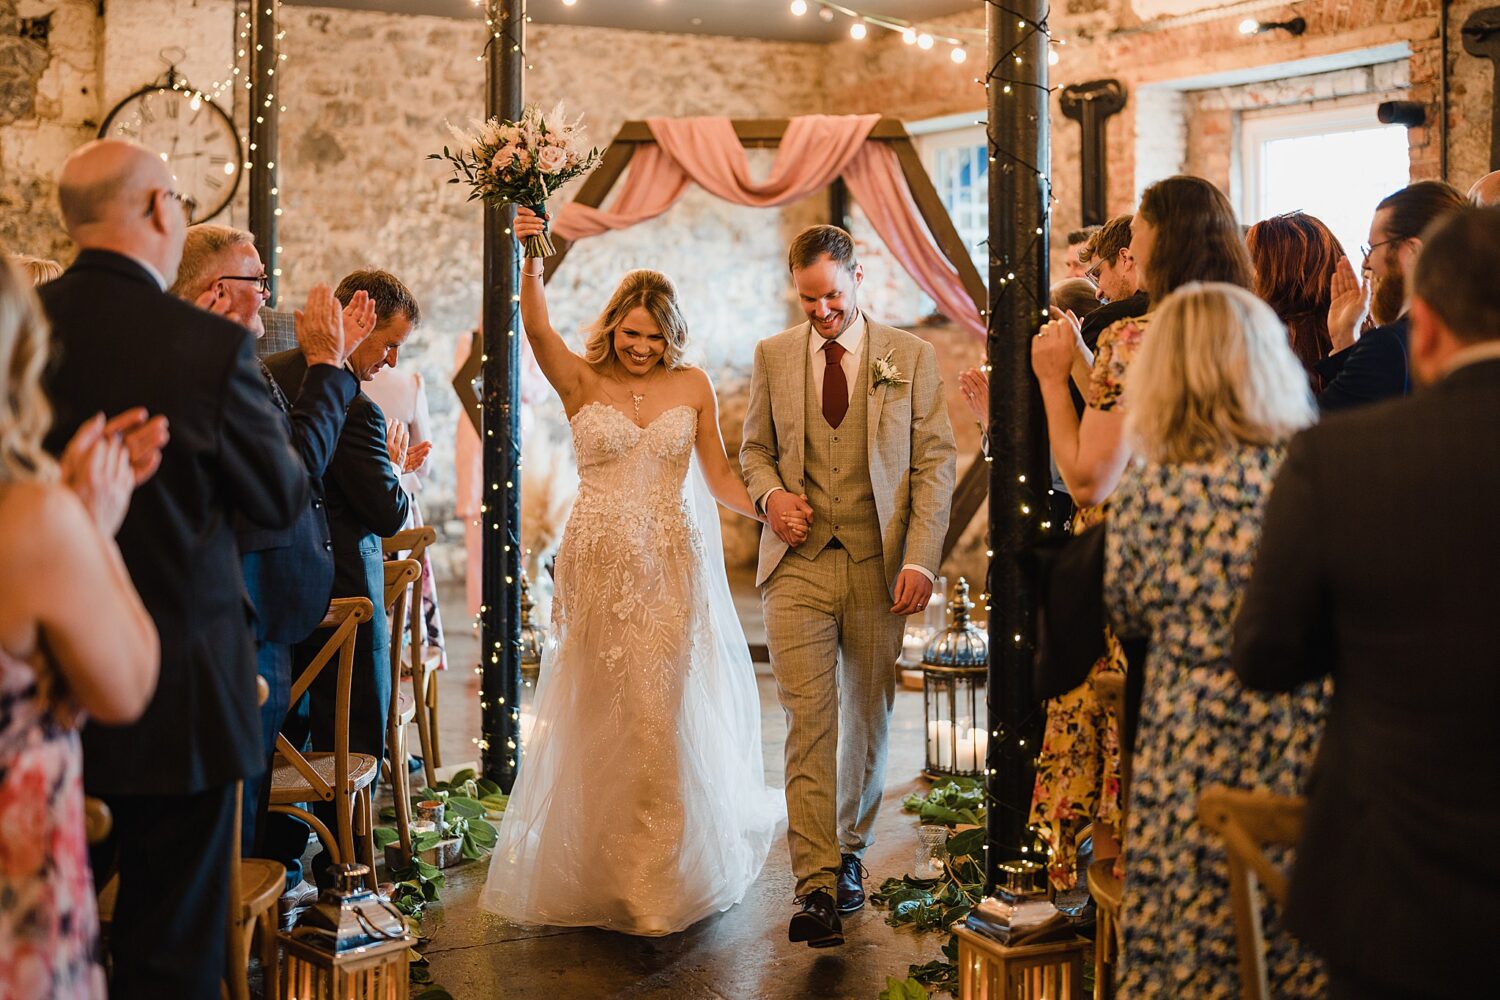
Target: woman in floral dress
column 74, row 639
column 1214, row 395
column 1184, row 230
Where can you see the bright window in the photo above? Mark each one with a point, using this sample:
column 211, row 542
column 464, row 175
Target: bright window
column 958, row 162
column 1335, row 164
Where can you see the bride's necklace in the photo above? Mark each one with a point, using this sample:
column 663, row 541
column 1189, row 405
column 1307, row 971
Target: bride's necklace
column 636, row 398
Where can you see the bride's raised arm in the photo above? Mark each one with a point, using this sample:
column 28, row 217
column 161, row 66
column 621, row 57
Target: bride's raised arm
column 727, row 488
column 566, row 371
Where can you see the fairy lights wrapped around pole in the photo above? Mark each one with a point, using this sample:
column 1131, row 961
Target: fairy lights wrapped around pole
column 1020, row 201
column 500, row 513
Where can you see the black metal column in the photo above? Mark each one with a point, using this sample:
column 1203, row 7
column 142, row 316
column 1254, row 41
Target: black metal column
column 500, row 618
column 264, row 121
column 1020, row 199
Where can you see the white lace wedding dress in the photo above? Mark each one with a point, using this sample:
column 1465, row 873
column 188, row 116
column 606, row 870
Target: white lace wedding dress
column 641, row 804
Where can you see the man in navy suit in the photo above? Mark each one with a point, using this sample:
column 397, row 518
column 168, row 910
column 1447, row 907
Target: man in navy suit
column 119, row 341
column 1373, row 366
column 365, row 504
column 288, row 572
column 1404, row 798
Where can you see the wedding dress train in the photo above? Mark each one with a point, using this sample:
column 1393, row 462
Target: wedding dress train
column 640, row 804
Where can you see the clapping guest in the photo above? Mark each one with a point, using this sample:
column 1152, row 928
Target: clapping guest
column 75, row 642
column 288, row 572
column 365, row 504
column 1406, row 778
column 1375, row 367
column 1295, row 256
column 120, row 341
column 1184, row 231
column 1214, row 394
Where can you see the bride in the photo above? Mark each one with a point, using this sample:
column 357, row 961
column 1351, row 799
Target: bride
column 641, row 804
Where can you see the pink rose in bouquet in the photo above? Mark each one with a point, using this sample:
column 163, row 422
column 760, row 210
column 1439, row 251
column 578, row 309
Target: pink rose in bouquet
column 521, row 162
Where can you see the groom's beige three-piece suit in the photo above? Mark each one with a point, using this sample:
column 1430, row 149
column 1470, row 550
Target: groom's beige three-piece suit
column 880, row 484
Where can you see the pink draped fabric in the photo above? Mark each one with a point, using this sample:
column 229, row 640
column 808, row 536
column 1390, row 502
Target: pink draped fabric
column 877, row 183
column 814, row 151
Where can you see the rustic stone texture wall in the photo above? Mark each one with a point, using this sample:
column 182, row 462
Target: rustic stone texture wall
column 48, row 105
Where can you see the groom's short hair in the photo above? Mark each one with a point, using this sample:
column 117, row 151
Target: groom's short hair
column 816, row 242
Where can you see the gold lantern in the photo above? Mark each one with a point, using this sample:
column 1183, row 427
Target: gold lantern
column 955, row 668
column 351, row 945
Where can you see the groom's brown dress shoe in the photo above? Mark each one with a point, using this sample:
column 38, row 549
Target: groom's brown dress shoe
column 817, row 922
column 850, row 886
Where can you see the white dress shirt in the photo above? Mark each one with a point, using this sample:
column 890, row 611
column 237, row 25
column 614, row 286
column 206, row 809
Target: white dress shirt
column 851, row 340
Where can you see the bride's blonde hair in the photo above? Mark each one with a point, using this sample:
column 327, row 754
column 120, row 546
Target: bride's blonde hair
column 648, row 290
column 25, row 414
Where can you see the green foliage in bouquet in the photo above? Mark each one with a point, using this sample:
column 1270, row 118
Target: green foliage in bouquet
column 523, row 162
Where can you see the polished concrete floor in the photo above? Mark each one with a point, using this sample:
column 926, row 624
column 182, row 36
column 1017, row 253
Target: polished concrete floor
column 741, row 954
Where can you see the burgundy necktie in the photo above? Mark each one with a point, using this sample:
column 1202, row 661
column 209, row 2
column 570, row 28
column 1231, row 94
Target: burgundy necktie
column 835, row 386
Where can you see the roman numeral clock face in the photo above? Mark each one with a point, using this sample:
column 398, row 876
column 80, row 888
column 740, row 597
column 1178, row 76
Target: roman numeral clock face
column 192, row 134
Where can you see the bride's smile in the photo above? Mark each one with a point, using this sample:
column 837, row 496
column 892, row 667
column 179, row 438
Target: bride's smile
column 639, row 342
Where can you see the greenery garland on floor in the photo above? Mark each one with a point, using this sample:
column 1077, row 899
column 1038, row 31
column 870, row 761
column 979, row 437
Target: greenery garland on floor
column 470, row 803
column 927, row 905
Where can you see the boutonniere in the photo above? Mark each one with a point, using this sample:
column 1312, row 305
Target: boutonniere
column 883, row 371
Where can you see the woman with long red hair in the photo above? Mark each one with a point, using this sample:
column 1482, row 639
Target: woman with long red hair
column 1295, row 256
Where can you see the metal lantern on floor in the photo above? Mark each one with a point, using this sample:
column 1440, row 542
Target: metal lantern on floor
column 955, row 667
column 533, row 637
column 351, row 945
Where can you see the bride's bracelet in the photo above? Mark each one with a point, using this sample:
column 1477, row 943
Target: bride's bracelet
column 539, row 272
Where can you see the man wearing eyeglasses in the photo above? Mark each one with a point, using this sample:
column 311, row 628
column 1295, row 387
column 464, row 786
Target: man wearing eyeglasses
column 1365, row 368
column 118, row 341
column 288, row 573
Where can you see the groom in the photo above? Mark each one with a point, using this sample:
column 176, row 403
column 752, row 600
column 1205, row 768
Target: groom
column 848, row 450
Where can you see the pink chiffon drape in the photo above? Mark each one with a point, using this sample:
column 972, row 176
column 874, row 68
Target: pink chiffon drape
column 814, row 151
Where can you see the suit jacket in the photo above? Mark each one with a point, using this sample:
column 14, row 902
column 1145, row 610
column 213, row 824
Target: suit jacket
column 281, row 332
column 365, row 503
column 910, row 443
column 289, row 572
column 119, row 341
column 1377, row 563
column 1374, row 368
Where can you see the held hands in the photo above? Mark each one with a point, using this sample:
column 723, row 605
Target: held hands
column 789, row 516
column 1054, row 347
column 913, row 591
column 99, row 466
column 1349, row 304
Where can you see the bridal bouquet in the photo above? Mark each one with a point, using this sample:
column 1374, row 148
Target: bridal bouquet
column 521, row 162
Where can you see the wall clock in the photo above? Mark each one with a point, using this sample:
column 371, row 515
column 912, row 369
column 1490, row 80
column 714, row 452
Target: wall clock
column 195, row 137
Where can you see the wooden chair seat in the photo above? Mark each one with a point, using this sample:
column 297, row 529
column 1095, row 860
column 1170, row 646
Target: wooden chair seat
column 1106, row 888
column 1107, row 891
column 261, row 884
column 406, row 707
column 288, row 785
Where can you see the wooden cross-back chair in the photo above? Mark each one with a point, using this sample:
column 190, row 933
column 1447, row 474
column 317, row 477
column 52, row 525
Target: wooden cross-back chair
column 1248, row 821
column 254, row 886
column 332, row 775
column 421, row 665
column 400, row 576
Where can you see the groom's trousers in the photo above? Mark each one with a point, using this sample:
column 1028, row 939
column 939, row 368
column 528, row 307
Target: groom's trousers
column 833, row 643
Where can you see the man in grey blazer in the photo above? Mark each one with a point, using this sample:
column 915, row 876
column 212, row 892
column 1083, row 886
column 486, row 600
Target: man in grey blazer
column 848, row 450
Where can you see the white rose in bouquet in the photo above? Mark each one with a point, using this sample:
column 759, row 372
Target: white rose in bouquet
column 551, row 159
